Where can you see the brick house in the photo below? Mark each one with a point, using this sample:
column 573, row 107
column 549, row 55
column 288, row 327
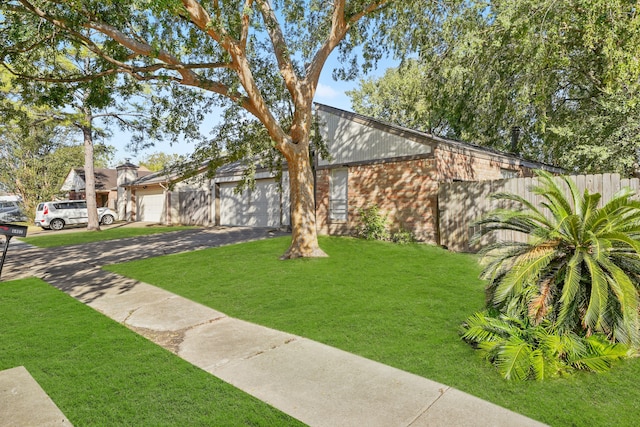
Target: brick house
column 370, row 162
column 105, row 179
column 108, row 181
column 397, row 169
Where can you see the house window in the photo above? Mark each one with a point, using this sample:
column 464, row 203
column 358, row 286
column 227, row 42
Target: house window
column 338, row 195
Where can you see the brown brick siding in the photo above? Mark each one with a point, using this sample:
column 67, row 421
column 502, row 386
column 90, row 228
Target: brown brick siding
column 457, row 165
column 406, row 190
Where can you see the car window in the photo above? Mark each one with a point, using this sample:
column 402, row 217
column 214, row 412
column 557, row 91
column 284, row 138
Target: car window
column 81, row 205
column 40, row 207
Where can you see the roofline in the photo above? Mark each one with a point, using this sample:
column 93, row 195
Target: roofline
column 424, row 137
column 168, row 178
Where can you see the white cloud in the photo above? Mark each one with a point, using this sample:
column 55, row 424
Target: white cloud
column 326, row 92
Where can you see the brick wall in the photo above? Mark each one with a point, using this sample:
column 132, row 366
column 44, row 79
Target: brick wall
column 405, row 190
column 463, row 165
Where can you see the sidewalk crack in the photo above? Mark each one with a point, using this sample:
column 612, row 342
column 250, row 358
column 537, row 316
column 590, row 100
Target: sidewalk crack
column 171, row 340
column 424, row 411
column 273, row 347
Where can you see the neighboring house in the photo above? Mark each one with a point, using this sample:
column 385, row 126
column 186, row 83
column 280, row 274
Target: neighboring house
column 371, row 162
column 107, row 184
column 170, row 198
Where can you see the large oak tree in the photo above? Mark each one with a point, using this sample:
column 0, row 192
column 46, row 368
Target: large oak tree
column 238, row 50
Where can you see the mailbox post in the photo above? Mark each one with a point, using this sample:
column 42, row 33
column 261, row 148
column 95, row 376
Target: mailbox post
column 10, row 230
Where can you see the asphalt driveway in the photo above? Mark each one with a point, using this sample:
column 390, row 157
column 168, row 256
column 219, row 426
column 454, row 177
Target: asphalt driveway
column 78, row 266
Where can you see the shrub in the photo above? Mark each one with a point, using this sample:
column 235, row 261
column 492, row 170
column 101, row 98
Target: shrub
column 373, row 225
column 582, row 261
column 521, row 350
column 403, row 237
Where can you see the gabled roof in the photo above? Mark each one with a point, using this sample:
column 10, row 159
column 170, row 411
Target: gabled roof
column 106, row 179
column 429, row 139
column 76, row 179
column 166, row 176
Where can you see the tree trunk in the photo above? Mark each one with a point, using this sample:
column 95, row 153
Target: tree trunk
column 90, row 181
column 304, row 238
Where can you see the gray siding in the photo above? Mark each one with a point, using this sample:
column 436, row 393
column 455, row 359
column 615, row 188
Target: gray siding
column 349, row 141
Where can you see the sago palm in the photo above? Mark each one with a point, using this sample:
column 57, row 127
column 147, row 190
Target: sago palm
column 582, row 262
column 523, row 351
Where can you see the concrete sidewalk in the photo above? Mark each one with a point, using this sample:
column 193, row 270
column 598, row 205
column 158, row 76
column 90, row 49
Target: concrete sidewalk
column 23, row 403
column 315, row 383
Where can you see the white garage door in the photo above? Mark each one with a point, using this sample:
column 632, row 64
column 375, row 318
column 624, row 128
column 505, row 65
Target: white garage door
column 259, row 207
column 150, row 205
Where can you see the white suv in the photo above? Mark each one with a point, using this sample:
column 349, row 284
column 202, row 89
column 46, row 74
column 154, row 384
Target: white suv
column 56, row 215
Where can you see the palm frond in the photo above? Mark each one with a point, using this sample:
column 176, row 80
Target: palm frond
column 558, row 204
column 539, row 364
column 598, row 297
column 622, row 238
column 571, row 228
column 526, row 269
column 627, row 298
column 588, row 205
column 571, row 285
column 539, row 306
column 599, row 355
column 514, row 359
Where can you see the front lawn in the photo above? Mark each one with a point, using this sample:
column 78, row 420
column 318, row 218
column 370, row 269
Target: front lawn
column 52, row 238
column 399, row 305
column 100, row 373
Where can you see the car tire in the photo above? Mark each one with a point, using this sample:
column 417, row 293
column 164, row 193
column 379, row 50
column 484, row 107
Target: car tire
column 56, row 224
column 107, row 220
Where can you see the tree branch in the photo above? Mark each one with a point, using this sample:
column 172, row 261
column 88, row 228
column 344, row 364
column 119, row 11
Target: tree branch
column 340, row 25
column 281, row 50
column 246, row 24
column 189, row 78
column 254, row 103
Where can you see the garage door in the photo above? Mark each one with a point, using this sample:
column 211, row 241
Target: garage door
column 150, row 205
column 259, row 207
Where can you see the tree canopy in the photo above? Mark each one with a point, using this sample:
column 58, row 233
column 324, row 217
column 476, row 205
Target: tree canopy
column 158, row 161
column 37, row 147
column 244, row 52
column 565, row 73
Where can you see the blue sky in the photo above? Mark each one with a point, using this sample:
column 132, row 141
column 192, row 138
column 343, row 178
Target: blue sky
column 330, row 92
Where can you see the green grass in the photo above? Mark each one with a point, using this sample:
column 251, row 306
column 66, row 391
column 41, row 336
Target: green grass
column 400, row 305
column 53, row 239
column 100, row 373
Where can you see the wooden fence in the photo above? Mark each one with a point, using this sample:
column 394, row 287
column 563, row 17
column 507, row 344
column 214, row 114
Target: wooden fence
column 460, row 204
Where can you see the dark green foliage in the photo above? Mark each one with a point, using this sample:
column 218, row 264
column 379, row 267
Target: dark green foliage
column 579, row 269
column 577, row 276
column 565, row 73
column 522, row 350
column 373, row 225
column 403, row 237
